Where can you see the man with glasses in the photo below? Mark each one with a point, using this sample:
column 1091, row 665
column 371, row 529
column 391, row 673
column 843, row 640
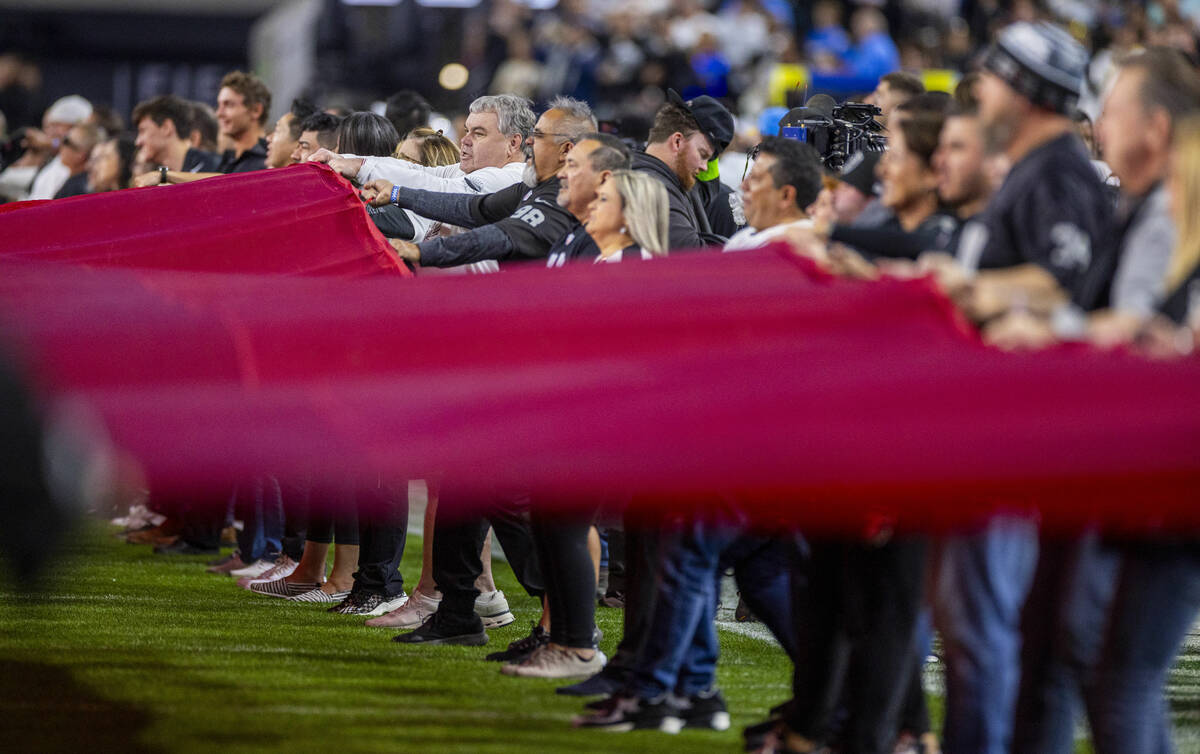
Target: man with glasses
column 518, row 223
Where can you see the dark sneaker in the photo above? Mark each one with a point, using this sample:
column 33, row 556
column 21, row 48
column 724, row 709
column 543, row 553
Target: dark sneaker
column 431, row 632
column 521, row 649
column 706, row 710
column 625, row 713
column 367, row 604
column 605, row 683
column 742, row 613
column 182, row 547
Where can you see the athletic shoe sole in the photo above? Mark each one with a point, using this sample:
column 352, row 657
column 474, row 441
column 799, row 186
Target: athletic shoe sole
column 464, row 640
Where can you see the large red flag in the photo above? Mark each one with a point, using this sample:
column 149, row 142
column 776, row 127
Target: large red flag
column 822, row 399
column 301, row 220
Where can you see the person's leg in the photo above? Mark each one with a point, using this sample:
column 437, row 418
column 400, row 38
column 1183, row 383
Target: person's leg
column 819, row 585
column 569, row 573
column 457, row 539
column 246, row 500
column 1156, row 603
column 979, row 587
column 890, row 582
column 383, row 528
column 486, row 582
column 294, row 500
column 762, row 570
column 1063, row 624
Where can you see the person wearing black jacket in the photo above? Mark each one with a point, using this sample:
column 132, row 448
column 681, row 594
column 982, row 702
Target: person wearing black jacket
column 592, row 160
column 519, row 223
column 684, row 137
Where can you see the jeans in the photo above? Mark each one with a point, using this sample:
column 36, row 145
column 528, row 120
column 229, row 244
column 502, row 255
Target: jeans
column 980, row 582
column 680, row 649
column 259, row 504
column 1063, row 625
column 1156, row 601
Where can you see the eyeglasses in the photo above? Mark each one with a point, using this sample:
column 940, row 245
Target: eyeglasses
column 66, row 142
column 543, row 135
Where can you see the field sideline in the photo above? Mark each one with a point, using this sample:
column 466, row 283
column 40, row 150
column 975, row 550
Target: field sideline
column 128, row 651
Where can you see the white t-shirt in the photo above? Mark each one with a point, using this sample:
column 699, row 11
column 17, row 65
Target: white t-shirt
column 749, row 238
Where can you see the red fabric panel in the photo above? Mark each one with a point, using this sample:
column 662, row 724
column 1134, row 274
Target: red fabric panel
column 825, row 400
column 301, row 220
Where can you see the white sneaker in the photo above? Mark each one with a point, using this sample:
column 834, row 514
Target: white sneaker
column 257, row 568
column 492, row 608
column 553, row 662
column 411, row 614
column 283, row 568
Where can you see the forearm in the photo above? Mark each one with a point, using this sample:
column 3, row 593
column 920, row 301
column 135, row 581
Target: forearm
column 488, row 242
column 454, row 209
column 875, row 242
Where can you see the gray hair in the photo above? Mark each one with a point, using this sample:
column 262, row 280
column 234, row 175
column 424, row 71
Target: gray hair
column 646, row 210
column 577, row 121
column 514, row 115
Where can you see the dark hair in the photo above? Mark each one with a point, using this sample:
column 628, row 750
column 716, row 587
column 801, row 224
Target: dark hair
column 325, row 125
column 929, row 102
column 1170, row 81
column 108, row 119
column 906, row 83
column 205, row 122
column 367, row 135
column 797, row 165
column 671, row 119
column 126, row 153
column 164, row 108
column 301, row 109
column 921, row 132
column 612, row 154
column 253, row 91
column 406, row 110
column 964, row 93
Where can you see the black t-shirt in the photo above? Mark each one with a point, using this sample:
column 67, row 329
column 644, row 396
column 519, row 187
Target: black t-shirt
column 254, row 158
column 723, row 205
column 1052, row 211
column 199, row 161
column 575, row 246
column 531, row 218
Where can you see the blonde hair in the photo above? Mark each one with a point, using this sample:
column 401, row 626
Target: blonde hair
column 645, row 207
column 1185, row 179
column 434, row 147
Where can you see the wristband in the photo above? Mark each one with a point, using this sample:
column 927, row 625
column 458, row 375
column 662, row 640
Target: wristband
column 395, row 194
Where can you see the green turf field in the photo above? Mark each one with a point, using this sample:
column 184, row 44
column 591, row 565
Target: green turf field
column 128, row 651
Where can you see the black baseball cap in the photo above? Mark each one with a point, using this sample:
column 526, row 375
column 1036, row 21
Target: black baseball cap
column 715, row 121
column 859, row 172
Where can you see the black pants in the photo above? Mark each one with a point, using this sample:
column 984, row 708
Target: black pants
column 642, row 533
column 570, row 575
column 295, row 519
column 201, row 524
column 332, row 516
column 855, row 610
column 459, row 529
column 383, row 529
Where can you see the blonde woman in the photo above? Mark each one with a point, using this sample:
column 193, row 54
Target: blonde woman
column 628, row 218
column 427, row 147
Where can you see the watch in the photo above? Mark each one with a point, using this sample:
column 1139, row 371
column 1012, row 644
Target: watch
column 162, row 174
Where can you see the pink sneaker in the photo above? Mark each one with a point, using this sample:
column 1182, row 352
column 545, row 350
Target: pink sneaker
column 409, row 615
column 284, row 566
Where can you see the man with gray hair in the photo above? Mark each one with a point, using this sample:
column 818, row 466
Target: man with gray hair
column 520, row 222
column 40, row 173
column 492, row 158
